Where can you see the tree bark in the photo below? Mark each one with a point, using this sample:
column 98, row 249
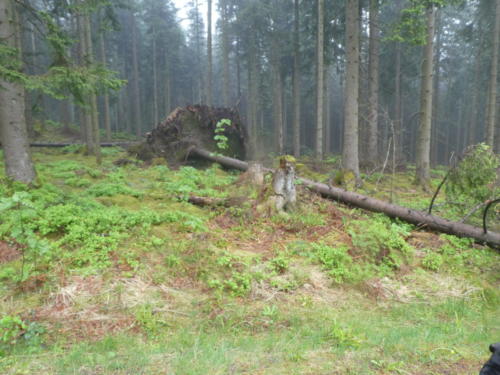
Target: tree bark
column 136, row 96
column 209, row 53
column 492, row 95
column 424, row 131
column 373, row 81
column 13, row 131
column 435, row 138
column 277, row 99
column 94, row 116
column 319, row 79
column 350, row 158
column 107, row 119
column 296, row 81
column 371, row 204
column 225, row 53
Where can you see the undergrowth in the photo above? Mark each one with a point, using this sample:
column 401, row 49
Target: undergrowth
column 222, row 290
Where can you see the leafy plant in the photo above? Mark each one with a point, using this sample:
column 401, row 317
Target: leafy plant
column 336, row 261
column 473, row 179
column 343, row 337
column 220, row 138
column 432, row 261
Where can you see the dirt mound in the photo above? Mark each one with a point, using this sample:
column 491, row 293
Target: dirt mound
column 8, row 252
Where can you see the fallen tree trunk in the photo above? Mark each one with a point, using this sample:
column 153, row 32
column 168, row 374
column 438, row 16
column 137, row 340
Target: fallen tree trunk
column 418, row 218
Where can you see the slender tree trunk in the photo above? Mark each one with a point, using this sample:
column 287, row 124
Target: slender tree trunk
column 85, row 113
column 209, row 52
column 472, row 118
column 238, row 68
column 350, row 157
column 155, row 84
column 136, row 97
column 424, row 130
column 198, row 53
column 435, row 104
column 225, row 54
column 327, row 111
column 168, row 90
column 94, row 115
column 252, row 100
column 278, row 109
column 296, row 81
column 107, row 119
column 373, row 82
column 13, row 132
column 492, row 95
column 319, row 79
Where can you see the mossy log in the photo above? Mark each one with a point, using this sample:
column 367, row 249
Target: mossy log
column 192, row 126
column 419, row 218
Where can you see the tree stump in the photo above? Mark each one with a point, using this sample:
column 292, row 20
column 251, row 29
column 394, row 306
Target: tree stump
column 283, row 195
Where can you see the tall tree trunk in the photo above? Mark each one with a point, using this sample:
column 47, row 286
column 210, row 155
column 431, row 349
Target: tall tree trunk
column 373, row 82
column 209, row 52
column 168, row 91
column 296, row 81
column 94, row 115
column 435, row 104
column 327, row 111
column 492, row 95
column 252, row 100
column 398, row 131
column 424, row 130
column 13, row 132
column 85, row 113
column 472, row 117
column 107, row 119
column 278, row 107
column 155, row 81
column 225, row 53
column 350, row 157
column 319, row 79
column 136, row 96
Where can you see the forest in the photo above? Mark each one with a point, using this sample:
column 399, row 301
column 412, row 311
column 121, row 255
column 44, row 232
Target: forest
column 249, row 187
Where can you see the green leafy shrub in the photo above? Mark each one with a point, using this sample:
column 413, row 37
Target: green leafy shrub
column 473, row 179
column 219, row 137
column 336, row 261
column 107, row 189
column 380, row 240
column 343, row 337
column 188, row 180
column 280, row 263
column 432, row 261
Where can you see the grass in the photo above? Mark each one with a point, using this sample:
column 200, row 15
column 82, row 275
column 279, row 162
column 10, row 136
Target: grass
column 120, row 275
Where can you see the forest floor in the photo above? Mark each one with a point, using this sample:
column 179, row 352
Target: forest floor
column 109, row 270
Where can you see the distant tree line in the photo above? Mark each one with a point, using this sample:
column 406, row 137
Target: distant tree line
column 416, row 79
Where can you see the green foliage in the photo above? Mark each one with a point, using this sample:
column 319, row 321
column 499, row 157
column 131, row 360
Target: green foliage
column 336, row 261
column 343, row 337
column 107, row 189
column 280, row 263
column 238, row 284
column 380, row 240
column 13, row 331
column 412, row 27
column 432, row 261
column 220, row 138
column 473, row 179
column 150, row 322
column 188, row 180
